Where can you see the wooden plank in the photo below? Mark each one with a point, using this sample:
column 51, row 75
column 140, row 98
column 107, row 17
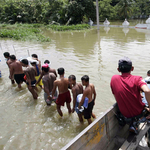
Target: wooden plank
column 133, row 140
column 98, row 134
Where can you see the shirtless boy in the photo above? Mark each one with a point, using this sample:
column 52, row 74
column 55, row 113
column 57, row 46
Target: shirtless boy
column 76, row 89
column 30, row 73
column 16, row 71
column 34, row 56
column 48, row 81
column 64, row 94
column 88, row 92
column 50, row 70
column 8, row 62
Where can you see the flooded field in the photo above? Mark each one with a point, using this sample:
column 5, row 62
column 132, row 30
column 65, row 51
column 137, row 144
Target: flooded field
column 31, row 125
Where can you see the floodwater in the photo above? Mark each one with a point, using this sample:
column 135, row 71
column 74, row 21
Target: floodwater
column 31, row 125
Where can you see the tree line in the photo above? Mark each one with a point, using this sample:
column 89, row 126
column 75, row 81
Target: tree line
column 70, row 11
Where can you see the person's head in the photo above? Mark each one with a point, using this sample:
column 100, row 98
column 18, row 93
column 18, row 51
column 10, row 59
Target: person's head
column 6, row 54
column 72, row 79
column 46, row 62
column 33, row 62
column 85, row 79
column 34, row 56
column 24, row 62
column 12, row 57
column 61, row 71
column 45, row 68
column 148, row 73
column 125, row 65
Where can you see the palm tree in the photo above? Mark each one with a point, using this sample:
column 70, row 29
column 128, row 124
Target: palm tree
column 125, row 7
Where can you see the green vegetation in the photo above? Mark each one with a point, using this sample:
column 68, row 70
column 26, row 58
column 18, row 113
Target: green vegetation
column 71, row 27
column 33, row 32
column 67, row 12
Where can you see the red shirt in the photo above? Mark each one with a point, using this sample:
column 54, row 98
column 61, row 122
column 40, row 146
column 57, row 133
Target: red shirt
column 126, row 89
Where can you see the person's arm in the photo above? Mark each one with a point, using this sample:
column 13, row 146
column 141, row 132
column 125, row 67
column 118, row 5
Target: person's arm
column 85, row 93
column 54, row 88
column 11, row 70
column 39, row 79
column 146, row 90
column 28, row 78
column 74, row 99
column 94, row 92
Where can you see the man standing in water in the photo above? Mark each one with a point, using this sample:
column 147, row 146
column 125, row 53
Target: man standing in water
column 76, row 89
column 48, row 81
column 89, row 93
column 16, row 71
column 30, row 73
column 64, row 94
column 8, row 62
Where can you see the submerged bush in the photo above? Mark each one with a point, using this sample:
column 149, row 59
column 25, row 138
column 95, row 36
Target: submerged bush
column 24, row 34
column 71, row 27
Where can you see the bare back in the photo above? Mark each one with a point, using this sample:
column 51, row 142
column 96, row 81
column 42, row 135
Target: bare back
column 31, row 73
column 62, row 85
column 53, row 71
column 16, row 67
column 89, row 91
column 77, row 89
column 48, row 81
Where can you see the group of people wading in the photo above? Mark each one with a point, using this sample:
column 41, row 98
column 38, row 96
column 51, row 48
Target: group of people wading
column 45, row 77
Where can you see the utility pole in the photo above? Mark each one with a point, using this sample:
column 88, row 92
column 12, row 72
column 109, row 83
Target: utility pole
column 97, row 14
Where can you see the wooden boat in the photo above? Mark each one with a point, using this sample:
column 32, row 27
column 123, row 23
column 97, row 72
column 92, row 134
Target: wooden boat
column 104, row 133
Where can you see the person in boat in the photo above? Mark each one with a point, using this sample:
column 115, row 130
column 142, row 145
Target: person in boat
column 8, row 62
column 34, row 63
column 76, row 89
column 50, row 70
column 64, row 94
column 35, row 56
column 90, row 94
column 48, row 81
column 126, row 89
column 16, row 71
column 30, row 73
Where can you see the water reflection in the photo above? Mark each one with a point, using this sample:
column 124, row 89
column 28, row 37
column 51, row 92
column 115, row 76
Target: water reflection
column 29, row 124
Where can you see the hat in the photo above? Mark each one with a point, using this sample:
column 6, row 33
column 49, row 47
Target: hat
column 45, row 66
column 125, row 61
column 33, row 61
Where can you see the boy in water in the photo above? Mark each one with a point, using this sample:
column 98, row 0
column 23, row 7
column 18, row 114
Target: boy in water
column 30, row 73
column 76, row 89
column 34, row 63
column 89, row 93
column 50, row 70
column 8, row 62
column 16, row 71
column 48, row 81
column 34, row 56
column 64, row 94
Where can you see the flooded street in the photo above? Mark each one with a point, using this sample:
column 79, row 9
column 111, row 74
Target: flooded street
column 31, row 125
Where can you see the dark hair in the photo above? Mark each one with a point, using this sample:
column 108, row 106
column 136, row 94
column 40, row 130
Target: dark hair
column 73, row 77
column 34, row 55
column 85, row 78
column 60, row 71
column 148, row 72
column 125, row 68
column 45, row 69
column 13, row 57
column 25, row 61
column 46, row 62
column 6, row 54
